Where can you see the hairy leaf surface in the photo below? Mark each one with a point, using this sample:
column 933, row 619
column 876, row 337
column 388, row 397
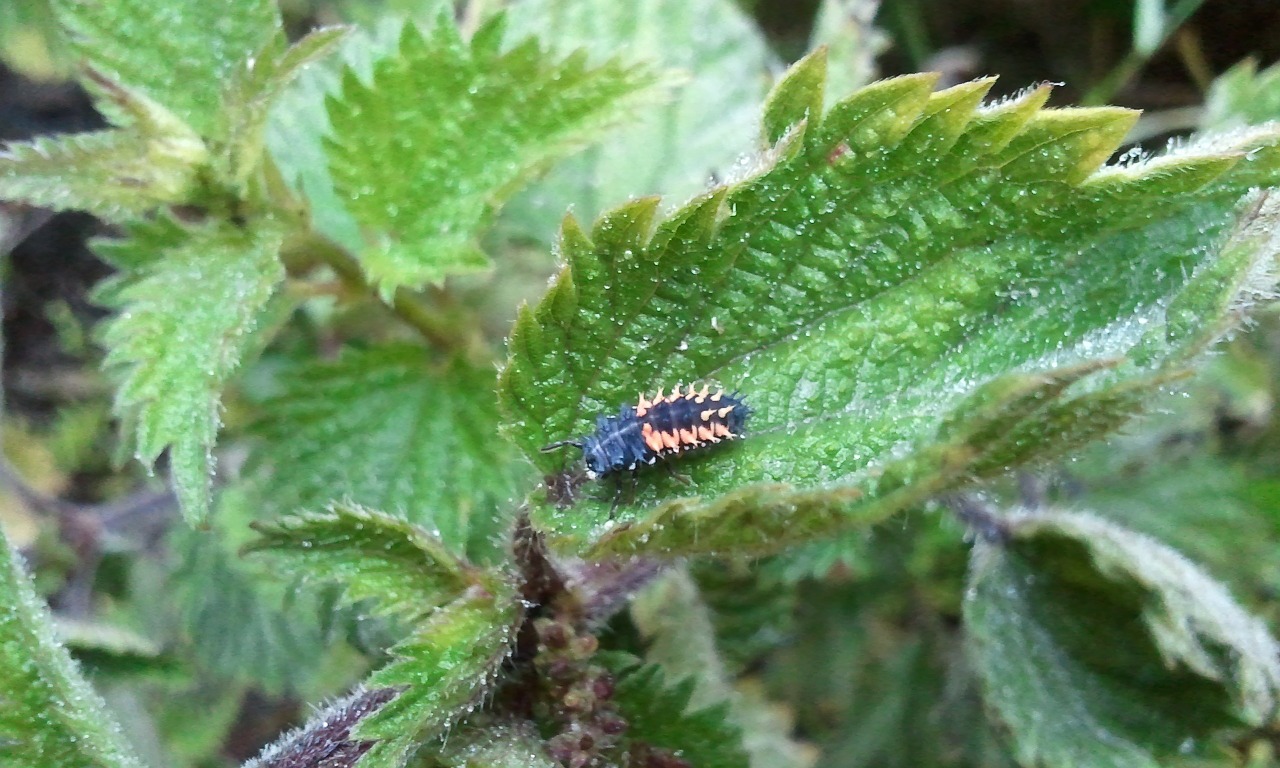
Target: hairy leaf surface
column 1223, row 515
column 464, row 618
column 114, row 174
column 405, row 569
column 902, row 280
column 515, row 744
column 661, row 715
column 187, row 301
column 444, row 668
column 298, row 124
column 179, row 52
column 254, row 90
column 1099, row 646
column 48, row 713
column 386, row 428
column 326, row 739
column 446, row 130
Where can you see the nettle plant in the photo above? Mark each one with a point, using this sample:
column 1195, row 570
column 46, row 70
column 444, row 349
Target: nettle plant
column 916, row 291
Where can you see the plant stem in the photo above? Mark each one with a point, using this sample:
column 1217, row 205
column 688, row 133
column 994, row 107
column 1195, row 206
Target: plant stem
column 1120, row 75
column 907, row 14
column 432, row 325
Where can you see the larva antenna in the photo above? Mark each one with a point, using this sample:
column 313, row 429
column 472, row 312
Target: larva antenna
column 555, row 446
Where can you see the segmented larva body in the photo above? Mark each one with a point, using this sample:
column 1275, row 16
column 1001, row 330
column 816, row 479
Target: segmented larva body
column 659, row 428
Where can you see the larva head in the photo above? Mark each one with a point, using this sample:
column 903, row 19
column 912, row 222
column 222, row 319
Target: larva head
column 594, row 454
column 601, row 456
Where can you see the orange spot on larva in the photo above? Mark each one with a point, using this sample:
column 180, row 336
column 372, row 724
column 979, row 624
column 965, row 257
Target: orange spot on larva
column 651, row 438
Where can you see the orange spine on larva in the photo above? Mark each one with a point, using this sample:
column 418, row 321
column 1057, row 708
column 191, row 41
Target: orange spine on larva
column 661, row 427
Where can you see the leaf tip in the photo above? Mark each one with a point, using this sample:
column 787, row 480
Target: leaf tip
column 797, row 97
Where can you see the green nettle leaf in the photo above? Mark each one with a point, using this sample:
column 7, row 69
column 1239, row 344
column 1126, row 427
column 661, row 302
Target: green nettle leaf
column 662, row 716
column 116, row 174
column 873, row 668
column 1221, row 514
column 255, row 89
column 103, row 641
column 236, row 621
column 298, row 124
column 187, row 300
column 444, row 669
column 1243, row 96
column 387, row 428
column 515, row 744
column 1099, row 646
column 48, row 713
column 670, row 149
column 243, row 623
column 676, row 625
column 180, row 52
column 405, row 569
column 465, row 617
column 446, row 130
column 111, row 653
column 911, row 291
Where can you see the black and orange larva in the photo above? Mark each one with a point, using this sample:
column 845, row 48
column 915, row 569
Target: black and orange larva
column 659, row 428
